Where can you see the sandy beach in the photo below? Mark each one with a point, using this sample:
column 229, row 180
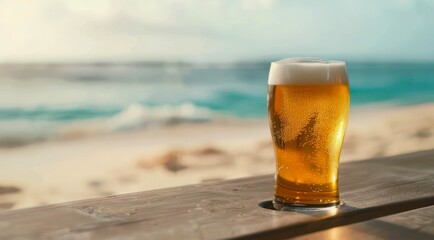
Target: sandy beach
column 82, row 167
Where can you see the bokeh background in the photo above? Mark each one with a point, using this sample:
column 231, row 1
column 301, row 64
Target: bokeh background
column 103, row 97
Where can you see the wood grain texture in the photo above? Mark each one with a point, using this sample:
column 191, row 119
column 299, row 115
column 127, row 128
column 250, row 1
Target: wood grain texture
column 229, row 209
column 417, row 224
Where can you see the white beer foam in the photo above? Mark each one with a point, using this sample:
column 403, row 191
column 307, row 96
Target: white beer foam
column 307, row 71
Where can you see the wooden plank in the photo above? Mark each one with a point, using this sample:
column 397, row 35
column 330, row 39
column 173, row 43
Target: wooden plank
column 346, row 215
column 229, row 209
column 417, row 224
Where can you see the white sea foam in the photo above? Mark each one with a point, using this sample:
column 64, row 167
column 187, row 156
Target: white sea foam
column 137, row 116
column 290, row 71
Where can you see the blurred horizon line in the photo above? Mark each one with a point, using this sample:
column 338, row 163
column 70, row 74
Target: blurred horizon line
column 155, row 63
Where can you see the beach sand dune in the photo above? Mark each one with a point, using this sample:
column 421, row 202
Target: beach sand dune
column 71, row 169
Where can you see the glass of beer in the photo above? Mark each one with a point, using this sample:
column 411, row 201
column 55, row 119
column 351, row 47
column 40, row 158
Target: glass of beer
column 308, row 105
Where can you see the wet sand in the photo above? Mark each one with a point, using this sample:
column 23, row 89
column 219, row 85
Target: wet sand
column 76, row 168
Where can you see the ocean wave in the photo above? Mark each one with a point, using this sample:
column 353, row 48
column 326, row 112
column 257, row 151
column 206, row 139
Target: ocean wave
column 137, row 116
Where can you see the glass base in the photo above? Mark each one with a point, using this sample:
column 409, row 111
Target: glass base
column 282, row 206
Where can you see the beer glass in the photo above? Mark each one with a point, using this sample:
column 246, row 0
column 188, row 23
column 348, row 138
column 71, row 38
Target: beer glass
column 308, row 105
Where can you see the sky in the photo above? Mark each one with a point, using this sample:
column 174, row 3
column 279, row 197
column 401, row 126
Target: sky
column 215, row 30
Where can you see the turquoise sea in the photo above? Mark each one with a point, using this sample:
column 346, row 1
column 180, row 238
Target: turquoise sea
column 40, row 101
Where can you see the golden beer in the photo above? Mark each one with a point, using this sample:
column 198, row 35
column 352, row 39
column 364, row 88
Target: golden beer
column 308, row 113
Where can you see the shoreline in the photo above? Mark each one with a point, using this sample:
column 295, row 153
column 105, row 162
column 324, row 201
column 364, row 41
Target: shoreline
column 69, row 169
column 95, row 127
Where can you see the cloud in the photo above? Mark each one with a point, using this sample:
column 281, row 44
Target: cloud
column 224, row 30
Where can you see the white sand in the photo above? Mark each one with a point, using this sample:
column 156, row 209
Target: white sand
column 58, row 171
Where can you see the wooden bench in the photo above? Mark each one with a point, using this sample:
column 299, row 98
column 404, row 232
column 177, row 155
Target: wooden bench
column 385, row 198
